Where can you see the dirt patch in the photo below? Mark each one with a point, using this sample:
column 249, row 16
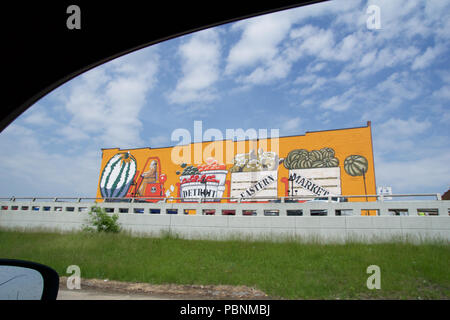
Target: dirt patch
column 189, row 292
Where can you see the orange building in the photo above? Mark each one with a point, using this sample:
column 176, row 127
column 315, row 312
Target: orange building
column 321, row 163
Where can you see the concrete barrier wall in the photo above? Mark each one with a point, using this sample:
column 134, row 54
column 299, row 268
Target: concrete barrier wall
column 322, row 228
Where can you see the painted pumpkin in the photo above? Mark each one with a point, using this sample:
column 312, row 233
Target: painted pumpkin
column 118, row 175
column 356, row 165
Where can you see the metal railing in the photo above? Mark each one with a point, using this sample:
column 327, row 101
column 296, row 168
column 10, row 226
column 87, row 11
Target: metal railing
column 275, row 206
column 437, row 196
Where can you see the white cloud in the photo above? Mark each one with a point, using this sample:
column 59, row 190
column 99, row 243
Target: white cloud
column 344, row 76
column 389, row 95
column 273, row 70
column 395, row 15
column 347, row 48
column 437, row 10
column 289, row 36
column 368, row 59
column 443, row 92
column 288, row 125
column 427, row 57
column 200, row 57
column 311, row 41
column 105, row 103
column 412, row 174
column 345, row 11
column 390, row 57
column 445, row 76
column 32, row 171
column 306, row 78
column 400, row 84
column 38, row 116
column 307, row 103
column 370, row 102
column 310, row 83
column 269, row 46
column 292, row 124
column 73, row 133
column 316, row 67
column 101, row 108
column 340, row 102
column 408, row 158
column 402, row 138
column 403, row 128
column 259, row 41
column 159, row 141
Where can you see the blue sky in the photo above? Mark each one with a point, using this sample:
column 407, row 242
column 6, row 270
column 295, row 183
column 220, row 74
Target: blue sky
column 312, row 68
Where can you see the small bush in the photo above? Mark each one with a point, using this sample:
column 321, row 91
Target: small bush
column 102, row 222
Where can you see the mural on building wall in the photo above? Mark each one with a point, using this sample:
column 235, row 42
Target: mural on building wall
column 149, row 183
column 118, row 175
column 314, row 172
column 254, row 174
column 203, row 181
column 304, row 159
column 356, row 165
column 255, row 162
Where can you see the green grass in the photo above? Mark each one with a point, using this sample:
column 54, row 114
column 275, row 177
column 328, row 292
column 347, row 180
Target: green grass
column 288, row 269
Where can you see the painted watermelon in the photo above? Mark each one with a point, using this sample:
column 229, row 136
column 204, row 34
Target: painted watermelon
column 118, row 175
column 307, row 160
column 330, row 162
column 356, row 165
column 291, row 161
column 327, row 153
column 316, row 155
column 304, row 159
column 318, row 164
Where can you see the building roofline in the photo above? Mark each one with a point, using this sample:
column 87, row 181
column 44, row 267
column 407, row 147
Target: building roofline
column 257, row 139
column 317, row 131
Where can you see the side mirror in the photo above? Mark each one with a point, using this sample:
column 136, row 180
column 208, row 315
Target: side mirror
column 25, row 280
